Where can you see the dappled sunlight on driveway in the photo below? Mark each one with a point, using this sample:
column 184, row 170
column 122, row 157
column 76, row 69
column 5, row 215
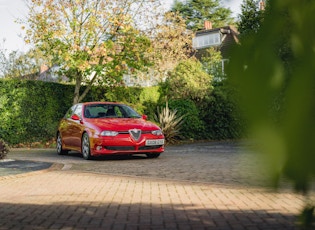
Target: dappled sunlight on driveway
column 61, row 199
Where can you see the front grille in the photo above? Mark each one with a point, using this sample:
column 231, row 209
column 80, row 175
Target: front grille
column 146, row 132
column 123, row 132
column 120, row 148
column 127, row 132
column 150, row 147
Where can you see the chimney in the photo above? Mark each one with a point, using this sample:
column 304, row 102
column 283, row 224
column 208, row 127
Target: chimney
column 43, row 68
column 262, row 5
column 208, row 25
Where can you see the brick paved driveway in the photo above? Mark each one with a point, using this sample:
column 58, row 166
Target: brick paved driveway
column 204, row 186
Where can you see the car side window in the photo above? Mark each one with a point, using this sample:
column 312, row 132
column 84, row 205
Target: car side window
column 78, row 110
column 130, row 112
column 118, row 111
column 70, row 112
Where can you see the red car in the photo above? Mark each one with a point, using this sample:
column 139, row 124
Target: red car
column 103, row 128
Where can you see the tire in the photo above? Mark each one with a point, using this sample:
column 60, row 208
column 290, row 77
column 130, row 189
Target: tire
column 60, row 150
column 85, row 147
column 153, row 155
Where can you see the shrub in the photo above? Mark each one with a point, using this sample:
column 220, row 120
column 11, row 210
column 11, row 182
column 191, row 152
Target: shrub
column 170, row 123
column 144, row 100
column 149, row 99
column 220, row 115
column 4, row 149
column 187, row 80
column 193, row 127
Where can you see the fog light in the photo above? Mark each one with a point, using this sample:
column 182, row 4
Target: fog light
column 99, row 147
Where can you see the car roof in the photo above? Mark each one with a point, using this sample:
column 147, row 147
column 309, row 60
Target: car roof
column 101, row 102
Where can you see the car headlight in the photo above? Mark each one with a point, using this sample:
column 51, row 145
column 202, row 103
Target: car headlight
column 108, row 133
column 157, row 132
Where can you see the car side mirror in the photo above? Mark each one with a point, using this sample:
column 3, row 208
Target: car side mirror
column 75, row 117
column 144, row 117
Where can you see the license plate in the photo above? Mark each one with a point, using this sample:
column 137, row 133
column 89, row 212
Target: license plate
column 154, row 142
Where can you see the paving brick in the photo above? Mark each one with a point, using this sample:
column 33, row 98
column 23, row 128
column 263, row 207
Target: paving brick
column 193, row 199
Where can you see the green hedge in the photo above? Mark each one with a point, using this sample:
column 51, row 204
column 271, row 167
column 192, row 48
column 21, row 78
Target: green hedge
column 143, row 100
column 30, row 110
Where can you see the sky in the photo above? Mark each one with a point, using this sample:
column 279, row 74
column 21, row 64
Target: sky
column 10, row 10
column 9, row 30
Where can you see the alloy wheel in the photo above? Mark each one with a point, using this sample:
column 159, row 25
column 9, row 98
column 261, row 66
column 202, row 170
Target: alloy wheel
column 60, row 151
column 86, row 152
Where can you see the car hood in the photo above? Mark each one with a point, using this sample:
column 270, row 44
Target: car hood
column 123, row 124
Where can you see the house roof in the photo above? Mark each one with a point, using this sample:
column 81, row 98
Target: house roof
column 229, row 37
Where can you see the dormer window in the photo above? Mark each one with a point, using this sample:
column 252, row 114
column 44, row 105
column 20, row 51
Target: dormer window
column 206, row 40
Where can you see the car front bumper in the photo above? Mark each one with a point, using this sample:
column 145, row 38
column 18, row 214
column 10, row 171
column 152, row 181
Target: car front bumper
column 126, row 145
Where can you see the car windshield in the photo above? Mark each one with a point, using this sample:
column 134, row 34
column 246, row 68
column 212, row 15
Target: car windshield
column 109, row 111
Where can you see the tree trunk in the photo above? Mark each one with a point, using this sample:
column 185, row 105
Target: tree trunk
column 87, row 89
column 77, row 89
column 77, row 97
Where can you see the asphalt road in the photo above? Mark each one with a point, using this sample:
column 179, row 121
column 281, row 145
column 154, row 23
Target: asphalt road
column 229, row 163
column 14, row 167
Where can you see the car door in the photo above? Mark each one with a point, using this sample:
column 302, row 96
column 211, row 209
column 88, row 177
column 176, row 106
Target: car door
column 75, row 128
column 65, row 127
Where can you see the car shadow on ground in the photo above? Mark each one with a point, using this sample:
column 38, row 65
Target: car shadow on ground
column 114, row 157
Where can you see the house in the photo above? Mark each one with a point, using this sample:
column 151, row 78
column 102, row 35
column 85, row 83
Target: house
column 143, row 80
column 50, row 74
column 220, row 38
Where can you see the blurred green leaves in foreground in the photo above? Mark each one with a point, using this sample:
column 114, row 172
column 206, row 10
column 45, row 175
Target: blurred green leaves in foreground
column 273, row 71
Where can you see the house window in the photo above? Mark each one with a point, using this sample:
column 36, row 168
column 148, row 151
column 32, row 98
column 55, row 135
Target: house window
column 206, row 40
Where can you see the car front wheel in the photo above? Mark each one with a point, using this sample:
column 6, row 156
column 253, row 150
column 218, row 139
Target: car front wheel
column 60, row 150
column 85, row 147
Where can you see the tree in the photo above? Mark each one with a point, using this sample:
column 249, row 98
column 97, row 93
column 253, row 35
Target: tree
column 212, row 63
column 92, row 41
column 188, row 80
column 250, row 18
column 283, row 133
column 20, row 65
column 172, row 43
column 196, row 12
